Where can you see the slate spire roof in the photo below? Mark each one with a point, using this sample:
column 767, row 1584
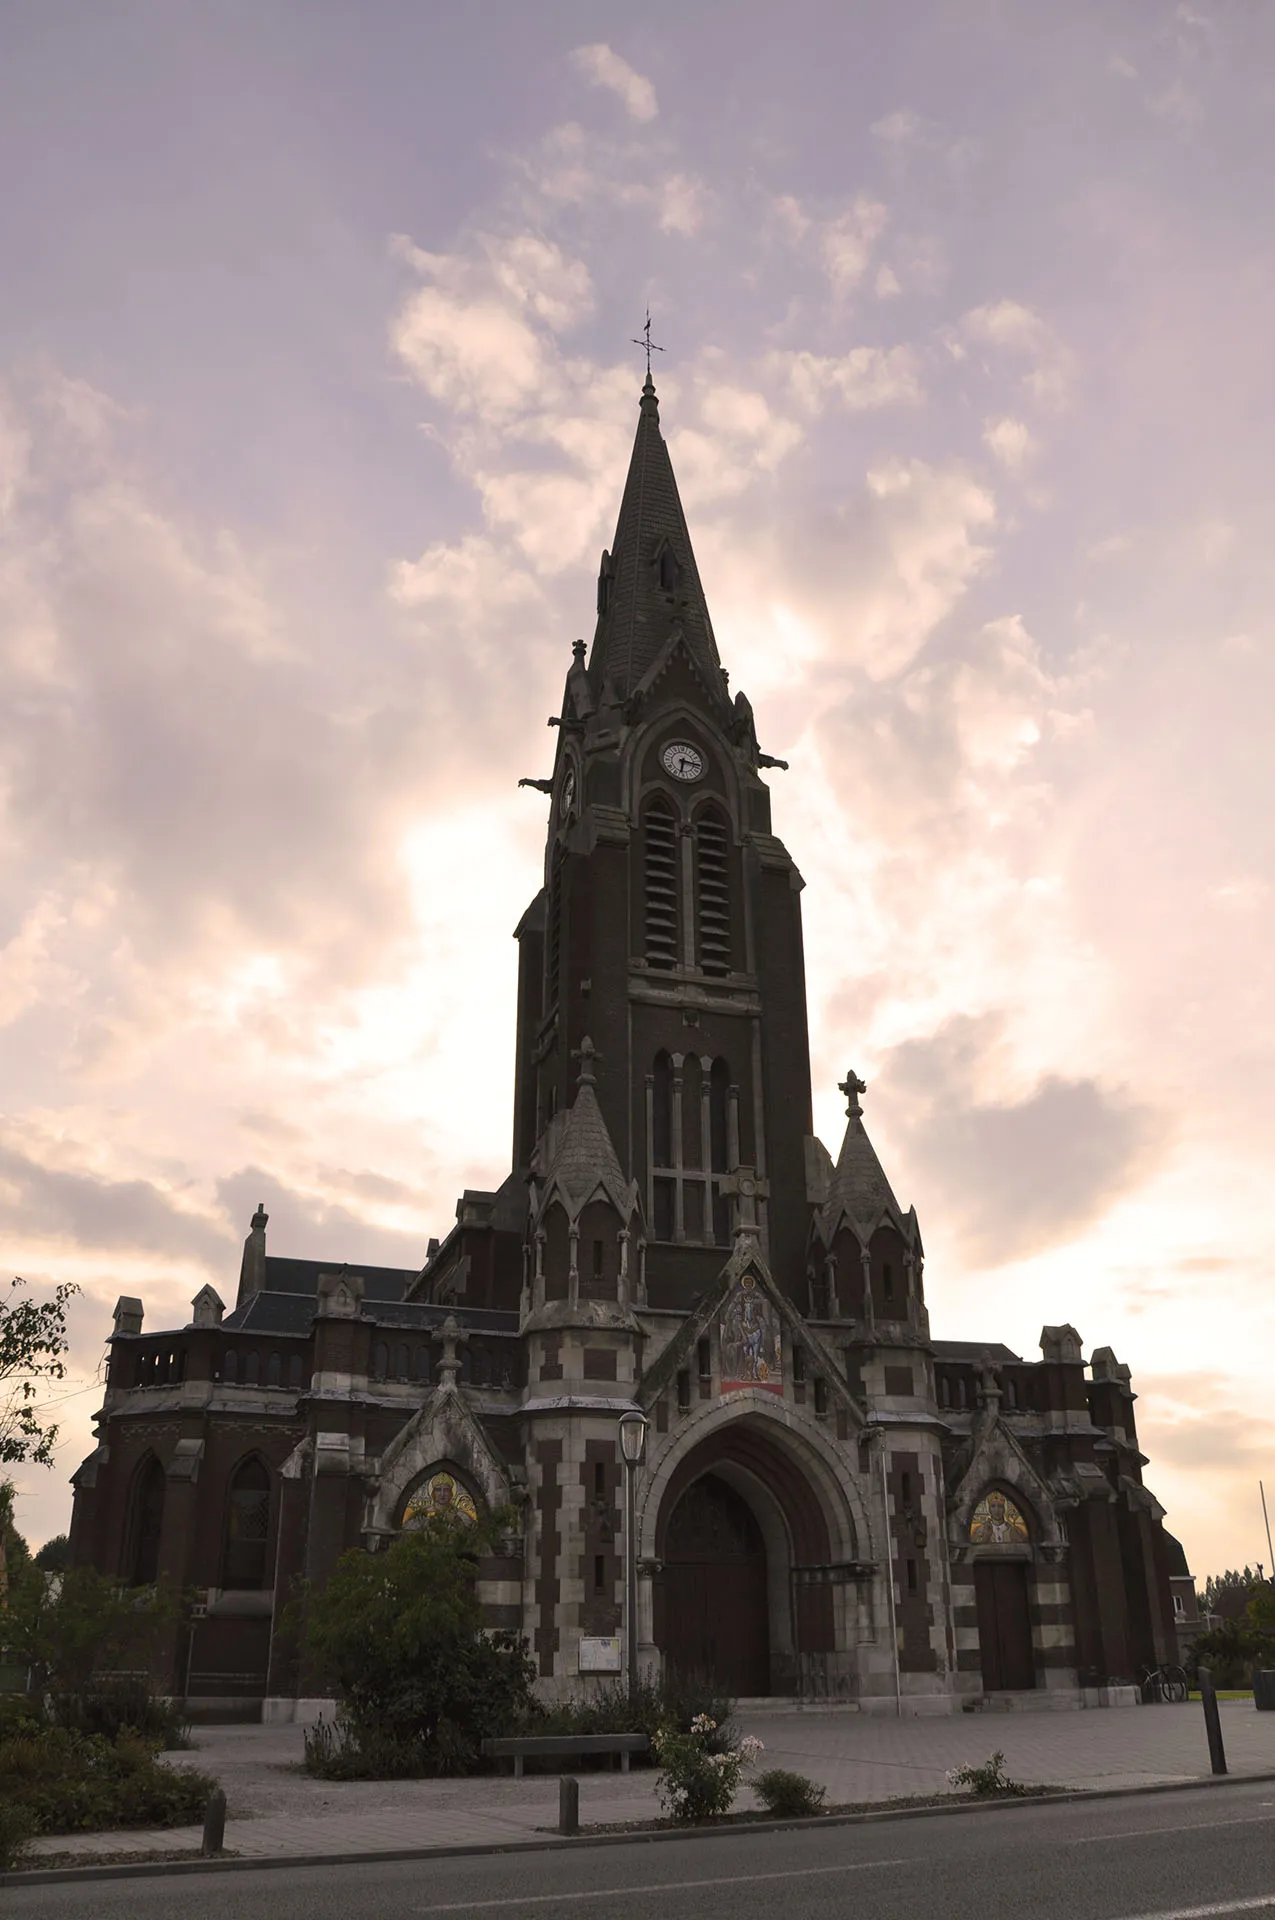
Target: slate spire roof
column 649, row 584
column 582, row 1158
column 859, row 1188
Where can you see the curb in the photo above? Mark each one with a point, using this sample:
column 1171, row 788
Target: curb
column 552, row 1843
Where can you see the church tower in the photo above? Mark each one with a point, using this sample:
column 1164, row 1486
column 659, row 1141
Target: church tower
column 668, row 929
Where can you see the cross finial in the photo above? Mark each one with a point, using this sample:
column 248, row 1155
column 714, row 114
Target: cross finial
column 586, row 1053
column 647, row 342
column 852, row 1087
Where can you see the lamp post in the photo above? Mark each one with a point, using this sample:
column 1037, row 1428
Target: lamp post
column 633, row 1426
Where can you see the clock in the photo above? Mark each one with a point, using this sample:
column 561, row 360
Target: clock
column 684, row 762
column 567, row 797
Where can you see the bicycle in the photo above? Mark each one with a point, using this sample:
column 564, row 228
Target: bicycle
column 1168, row 1684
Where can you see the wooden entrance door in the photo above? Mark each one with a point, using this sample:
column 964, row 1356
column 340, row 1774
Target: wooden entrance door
column 1004, row 1625
column 715, row 1617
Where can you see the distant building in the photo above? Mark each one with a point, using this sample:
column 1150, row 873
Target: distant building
column 833, row 1502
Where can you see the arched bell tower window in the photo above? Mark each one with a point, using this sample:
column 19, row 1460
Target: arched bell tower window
column 712, row 891
column 146, row 1524
column 660, row 884
column 243, row 1559
column 669, row 571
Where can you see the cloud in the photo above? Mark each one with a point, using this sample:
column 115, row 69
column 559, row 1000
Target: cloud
column 59, row 1204
column 1012, row 327
column 861, row 379
column 1009, row 441
column 605, row 68
column 1012, row 1173
column 309, row 1226
column 847, row 242
column 896, row 128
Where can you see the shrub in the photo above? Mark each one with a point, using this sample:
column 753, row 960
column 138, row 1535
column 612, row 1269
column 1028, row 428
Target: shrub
column 652, row 1706
column 127, row 1704
column 696, row 1782
column 399, row 1637
column 16, row 1828
column 66, row 1781
column 789, row 1796
column 986, row 1781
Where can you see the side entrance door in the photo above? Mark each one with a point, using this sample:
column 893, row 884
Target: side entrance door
column 1004, row 1625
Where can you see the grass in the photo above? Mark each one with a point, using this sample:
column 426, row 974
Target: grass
column 1227, row 1693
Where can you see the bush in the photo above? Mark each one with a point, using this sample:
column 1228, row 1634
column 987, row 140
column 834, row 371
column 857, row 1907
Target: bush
column 789, row 1796
column 16, row 1828
column 66, row 1781
column 128, row 1704
column 987, row 1781
column 696, row 1782
column 653, row 1706
column 399, row 1637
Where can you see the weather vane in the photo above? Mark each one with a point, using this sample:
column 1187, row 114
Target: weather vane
column 647, row 342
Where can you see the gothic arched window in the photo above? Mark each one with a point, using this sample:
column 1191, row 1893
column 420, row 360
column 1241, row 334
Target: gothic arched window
column 402, row 1367
column 380, row 1360
column 669, row 570
column 660, row 884
column 712, row 891
column 146, row 1523
column 243, row 1558
column 274, row 1371
column 230, row 1367
column 252, row 1369
column 295, row 1375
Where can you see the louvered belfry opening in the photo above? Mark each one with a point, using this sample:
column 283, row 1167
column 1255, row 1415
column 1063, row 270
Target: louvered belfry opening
column 553, row 945
column 660, row 879
column 712, row 886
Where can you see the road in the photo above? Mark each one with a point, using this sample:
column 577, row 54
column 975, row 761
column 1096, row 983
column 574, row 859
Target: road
column 1173, row 1856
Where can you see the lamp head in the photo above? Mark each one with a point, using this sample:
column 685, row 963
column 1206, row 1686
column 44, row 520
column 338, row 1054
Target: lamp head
column 633, row 1428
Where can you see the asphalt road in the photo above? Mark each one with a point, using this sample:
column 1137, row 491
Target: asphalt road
column 1174, row 1856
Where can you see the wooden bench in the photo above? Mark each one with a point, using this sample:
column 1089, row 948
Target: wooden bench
column 565, row 1746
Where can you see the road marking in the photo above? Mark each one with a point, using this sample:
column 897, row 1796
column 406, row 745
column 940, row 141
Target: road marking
column 1158, row 1833
column 1208, row 1913
column 658, row 1886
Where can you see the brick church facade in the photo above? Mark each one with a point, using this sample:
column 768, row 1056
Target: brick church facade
column 833, row 1503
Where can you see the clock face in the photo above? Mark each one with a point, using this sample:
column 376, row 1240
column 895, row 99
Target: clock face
column 567, row 798
column 684, row 762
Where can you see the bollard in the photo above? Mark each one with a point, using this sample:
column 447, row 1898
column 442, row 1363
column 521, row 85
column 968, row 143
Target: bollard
column 568, row 1805
column 1212, row 1721
column 214, row 1822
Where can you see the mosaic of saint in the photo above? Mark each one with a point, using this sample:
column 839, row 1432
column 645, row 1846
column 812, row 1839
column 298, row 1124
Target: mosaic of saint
column 442, row 1493
column 996, row 1522
column 752, row 1353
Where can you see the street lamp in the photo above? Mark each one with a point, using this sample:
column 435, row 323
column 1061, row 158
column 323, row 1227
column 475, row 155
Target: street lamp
column 633, row 1426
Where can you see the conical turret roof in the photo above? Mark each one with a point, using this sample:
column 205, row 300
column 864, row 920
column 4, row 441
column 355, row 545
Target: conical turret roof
column 859, row 1187
column 650, row 585
column 582, row 1158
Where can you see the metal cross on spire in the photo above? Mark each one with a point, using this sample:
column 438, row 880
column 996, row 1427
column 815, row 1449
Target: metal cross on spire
column 647, row 342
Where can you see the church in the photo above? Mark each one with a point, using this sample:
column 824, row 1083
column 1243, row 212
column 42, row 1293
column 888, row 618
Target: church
column 832, row 1504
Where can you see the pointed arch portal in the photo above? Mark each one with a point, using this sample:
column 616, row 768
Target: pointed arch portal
column 739, row 1522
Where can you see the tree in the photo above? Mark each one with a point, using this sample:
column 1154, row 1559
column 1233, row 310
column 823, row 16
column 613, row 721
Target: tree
column 32, row 1345
column 14, row 1552
column 55, row 1555
column 399, row 1637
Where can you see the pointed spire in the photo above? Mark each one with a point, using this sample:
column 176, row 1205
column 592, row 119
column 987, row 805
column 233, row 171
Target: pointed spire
column 583, row 1155
column 858, row 1187
column 649, row 584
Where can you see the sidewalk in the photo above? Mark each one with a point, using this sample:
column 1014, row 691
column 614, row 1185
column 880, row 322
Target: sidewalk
column 276, row 1810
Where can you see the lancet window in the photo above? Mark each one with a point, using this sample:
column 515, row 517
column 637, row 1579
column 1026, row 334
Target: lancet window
column 660, row 884
column 692, row 1141
column 712, row 891
column 243, row 1560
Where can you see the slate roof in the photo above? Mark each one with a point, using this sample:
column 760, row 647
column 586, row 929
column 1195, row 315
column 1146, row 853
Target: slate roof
column 292, row 1313
column 975, row 1350
column 639, row 615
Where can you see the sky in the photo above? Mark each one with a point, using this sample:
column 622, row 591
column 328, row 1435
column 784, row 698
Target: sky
column 316, row 396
